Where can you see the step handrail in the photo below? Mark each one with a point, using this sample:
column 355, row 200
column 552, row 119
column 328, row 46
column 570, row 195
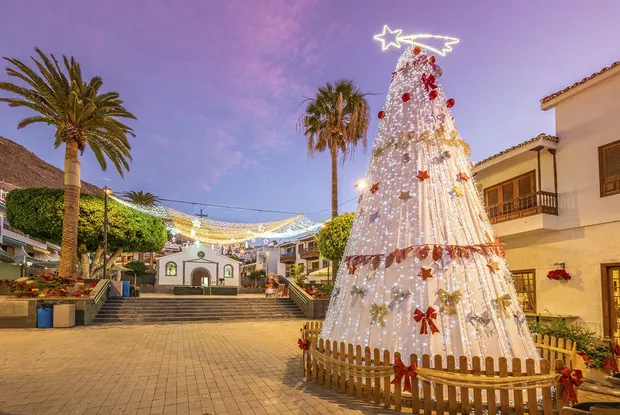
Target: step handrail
column 103, row 289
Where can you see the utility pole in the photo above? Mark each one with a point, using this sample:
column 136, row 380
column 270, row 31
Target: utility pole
column 106, row 191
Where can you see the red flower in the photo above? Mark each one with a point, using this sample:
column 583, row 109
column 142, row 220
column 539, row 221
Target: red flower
column 94, row 283
column 558, row 274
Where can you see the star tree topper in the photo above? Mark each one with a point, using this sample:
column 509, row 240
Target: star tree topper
column 395, row 37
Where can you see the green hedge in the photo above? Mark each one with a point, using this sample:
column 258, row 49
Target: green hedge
column 38, row 212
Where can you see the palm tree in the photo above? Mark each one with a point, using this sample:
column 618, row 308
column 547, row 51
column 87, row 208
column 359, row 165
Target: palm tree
column 336, row 120
column 142, row 198
column 83, row 116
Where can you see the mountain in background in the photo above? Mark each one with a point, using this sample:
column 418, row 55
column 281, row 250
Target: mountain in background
column 21, row 168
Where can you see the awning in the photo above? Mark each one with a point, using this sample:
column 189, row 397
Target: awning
column 5, row 257
column 323, row 272
column 23, row 257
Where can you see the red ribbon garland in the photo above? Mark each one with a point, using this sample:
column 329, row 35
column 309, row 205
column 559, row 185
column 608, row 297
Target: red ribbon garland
column 427, row 320
column 570, row 379
column 303, row 344
column 401, row 371
column 429, row 82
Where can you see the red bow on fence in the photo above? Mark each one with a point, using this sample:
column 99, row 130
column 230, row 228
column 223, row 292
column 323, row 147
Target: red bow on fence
column 570, row 379
column 427, row 320
column 408, row 372
column 429, row 82
column 303, row 344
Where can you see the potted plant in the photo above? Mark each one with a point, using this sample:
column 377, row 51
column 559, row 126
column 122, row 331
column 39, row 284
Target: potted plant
column 559, row 275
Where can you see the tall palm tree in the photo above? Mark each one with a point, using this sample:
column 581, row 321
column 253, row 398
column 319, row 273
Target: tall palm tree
column 83, row 116
column 336, row 119
column 142, row 198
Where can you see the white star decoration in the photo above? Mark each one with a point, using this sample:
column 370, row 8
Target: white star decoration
column 393, row 40
column 439, row 44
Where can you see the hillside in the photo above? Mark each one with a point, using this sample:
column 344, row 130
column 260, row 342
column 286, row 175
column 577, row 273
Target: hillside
column 21, row 168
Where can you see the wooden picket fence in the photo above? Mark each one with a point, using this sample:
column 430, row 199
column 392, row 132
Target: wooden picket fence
column 552, row 349
column 367, row 374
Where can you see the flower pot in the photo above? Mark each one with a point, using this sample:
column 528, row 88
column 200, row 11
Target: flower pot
column 45, row 318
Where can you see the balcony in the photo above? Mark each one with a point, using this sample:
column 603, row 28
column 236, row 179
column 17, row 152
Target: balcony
column 288, row 257
column 534, row 204
column 311, row 252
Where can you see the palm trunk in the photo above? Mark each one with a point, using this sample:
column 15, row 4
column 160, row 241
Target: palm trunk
column 334, row 154
column 71, row 212
column 85, row 263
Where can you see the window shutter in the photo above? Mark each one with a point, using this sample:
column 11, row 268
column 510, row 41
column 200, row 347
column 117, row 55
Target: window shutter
column 612, row 161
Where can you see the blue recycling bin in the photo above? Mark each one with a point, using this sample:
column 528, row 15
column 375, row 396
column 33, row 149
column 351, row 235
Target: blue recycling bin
column 45, row 318
column 126, row 286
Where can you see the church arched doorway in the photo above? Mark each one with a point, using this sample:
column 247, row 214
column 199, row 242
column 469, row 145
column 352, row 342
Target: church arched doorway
column 200, row 277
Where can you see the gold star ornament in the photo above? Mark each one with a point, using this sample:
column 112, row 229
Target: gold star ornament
column 404, row 196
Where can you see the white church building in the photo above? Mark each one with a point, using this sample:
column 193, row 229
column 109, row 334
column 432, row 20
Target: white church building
column 196, row 266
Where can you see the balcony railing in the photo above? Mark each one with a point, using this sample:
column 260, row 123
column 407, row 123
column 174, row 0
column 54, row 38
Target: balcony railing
column 310, row 252
column 288, row 257
column 539, row 202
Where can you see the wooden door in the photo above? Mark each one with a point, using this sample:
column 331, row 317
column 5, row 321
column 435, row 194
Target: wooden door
column 611, row 301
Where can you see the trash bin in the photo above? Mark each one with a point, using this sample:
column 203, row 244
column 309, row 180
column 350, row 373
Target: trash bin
column 45, row 317
column 126, row 287
column 64, row 315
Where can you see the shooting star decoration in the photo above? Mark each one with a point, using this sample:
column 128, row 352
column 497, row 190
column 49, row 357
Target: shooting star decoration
column 395, row 37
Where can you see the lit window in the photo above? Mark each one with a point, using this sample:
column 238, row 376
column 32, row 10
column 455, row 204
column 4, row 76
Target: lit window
column 171, row 269
column 525, row 284
column 609, row 168
column 228, row 271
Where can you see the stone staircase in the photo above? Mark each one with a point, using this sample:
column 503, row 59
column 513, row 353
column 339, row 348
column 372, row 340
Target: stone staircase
column 154, row 310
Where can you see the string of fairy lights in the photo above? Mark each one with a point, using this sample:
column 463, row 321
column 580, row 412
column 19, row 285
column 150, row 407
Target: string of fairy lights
column 209, row 231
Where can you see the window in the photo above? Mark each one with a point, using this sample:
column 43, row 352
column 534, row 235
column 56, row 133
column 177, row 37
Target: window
column 609, row 168
column 525, row 283
column 512, row 195
column 325, row 263
column 171, row 269
column 228, row 271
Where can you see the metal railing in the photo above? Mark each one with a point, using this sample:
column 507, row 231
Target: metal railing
column 538, row 202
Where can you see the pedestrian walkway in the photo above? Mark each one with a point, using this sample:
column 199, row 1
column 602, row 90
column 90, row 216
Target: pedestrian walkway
column 180, row 368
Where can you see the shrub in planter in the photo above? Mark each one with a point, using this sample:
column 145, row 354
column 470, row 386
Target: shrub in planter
column 594, row 349
column 47, row 285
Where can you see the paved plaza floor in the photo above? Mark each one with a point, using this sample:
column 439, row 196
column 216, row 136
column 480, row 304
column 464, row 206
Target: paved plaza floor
column 192, row 368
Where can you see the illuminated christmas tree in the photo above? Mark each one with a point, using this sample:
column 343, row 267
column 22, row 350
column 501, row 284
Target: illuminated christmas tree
column 423, row 272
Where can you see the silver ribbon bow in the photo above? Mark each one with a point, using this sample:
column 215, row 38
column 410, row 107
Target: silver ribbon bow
column 357, row 292
column 335, row 292
column 519, row 317
column 481, row 321
column 398, row 297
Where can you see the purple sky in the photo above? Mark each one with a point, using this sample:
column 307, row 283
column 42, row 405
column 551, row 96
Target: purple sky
column 217, row 85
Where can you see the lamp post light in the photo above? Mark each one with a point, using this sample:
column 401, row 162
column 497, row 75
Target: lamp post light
column 361, row 184
column 106, row 191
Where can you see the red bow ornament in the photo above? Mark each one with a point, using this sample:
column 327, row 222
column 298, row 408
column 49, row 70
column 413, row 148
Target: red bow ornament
column 401, row 371
column 616, row 349
column 426, row 319
column 570, row 379
column 303, row 344
column 429, row 82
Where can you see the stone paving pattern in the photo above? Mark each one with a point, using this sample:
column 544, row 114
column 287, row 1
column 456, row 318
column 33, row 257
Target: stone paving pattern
column 191, row 368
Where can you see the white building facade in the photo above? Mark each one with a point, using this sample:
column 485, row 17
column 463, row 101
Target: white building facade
column 555, row 203
column 306, row 252
column 198, row 266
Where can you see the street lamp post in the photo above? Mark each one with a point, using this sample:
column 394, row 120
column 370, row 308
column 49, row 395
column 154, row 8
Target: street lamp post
column 106, row 191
